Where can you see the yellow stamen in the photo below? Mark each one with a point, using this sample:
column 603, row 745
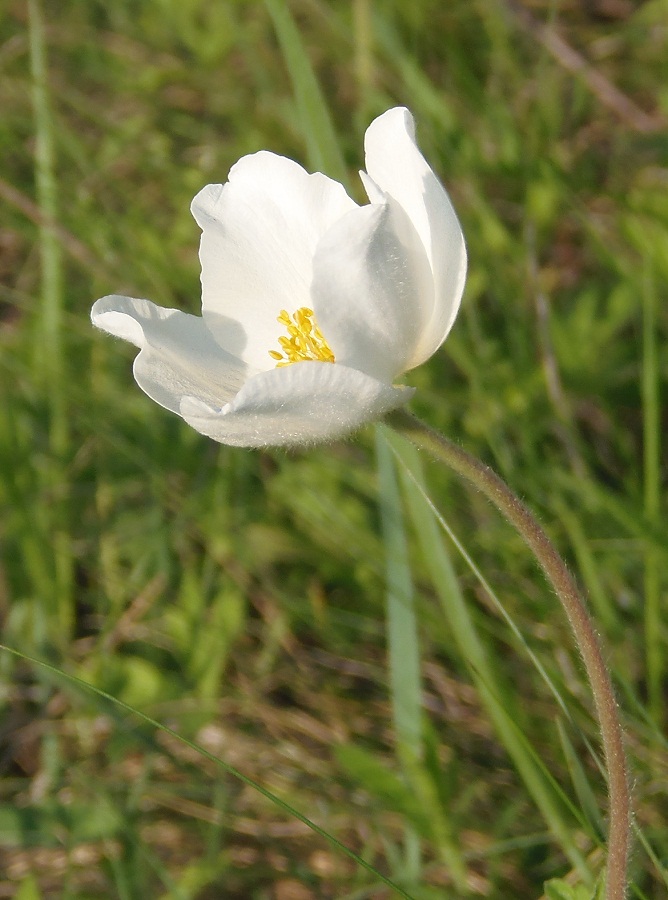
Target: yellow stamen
column 305, row 341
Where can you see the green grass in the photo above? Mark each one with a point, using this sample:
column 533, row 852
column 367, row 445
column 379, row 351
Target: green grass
column 252, row 602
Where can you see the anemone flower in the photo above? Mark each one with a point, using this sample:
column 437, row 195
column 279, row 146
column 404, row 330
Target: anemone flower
column 312, row 306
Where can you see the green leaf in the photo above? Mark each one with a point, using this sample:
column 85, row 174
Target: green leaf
column 557, row 889
column 42, row 825
column 387, row 786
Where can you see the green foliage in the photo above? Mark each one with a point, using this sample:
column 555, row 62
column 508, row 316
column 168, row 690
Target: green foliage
column 239, row 597
column 28, row 889
column 556, row 889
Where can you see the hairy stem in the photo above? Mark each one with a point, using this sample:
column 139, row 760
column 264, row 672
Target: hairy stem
column 555, row 570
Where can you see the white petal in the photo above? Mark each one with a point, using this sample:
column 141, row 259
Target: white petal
column 397, row 167
column 260, row 231
column 372, row 290
column 178, row 356
column 302, row 403
column 373, row 192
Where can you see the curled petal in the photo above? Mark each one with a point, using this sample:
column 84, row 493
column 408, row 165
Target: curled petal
column 396, row 167
column 304, row 403
column 372, row 290
column 178, row 356
column 259, row 233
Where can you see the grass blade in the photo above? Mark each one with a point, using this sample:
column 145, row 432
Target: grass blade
column 322, row 143
column 544, row 792
column 48, row 339
column 402, row 633
column 652, row 494
column 404, row 664
column 581, row 783
column 231, row 770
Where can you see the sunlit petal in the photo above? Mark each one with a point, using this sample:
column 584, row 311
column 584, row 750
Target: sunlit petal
column 260, row 231
column 308, row 402
column 178, row 356
column 396, row 167
column 372, row 290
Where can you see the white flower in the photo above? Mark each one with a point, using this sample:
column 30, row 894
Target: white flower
column 311, row 304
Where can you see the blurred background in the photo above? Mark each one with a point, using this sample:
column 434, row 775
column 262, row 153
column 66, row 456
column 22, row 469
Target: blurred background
column 238, row 597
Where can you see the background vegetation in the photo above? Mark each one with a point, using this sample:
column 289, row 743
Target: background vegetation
column 240, row 597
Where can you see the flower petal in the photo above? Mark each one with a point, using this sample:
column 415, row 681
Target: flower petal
column 302, row 403
column 373, row 290
column 259, row 235
column 396, row 166
column 178, row 356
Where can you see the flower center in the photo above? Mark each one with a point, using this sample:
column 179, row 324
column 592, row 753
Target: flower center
column 305, row 341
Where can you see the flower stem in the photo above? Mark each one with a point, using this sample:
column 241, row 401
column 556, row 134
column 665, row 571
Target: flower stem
column 554, row 568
